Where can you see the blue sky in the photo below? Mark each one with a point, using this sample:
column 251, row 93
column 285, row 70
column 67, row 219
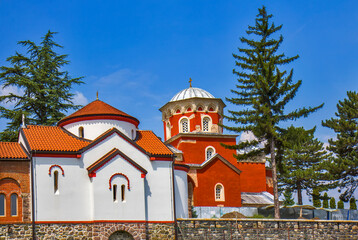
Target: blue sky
column 138, row 54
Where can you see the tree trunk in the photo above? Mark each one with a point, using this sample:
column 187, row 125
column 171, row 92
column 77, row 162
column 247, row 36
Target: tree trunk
column 299, row 196
column 274, row 180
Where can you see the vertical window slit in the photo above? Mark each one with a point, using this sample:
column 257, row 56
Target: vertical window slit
column 2, row 204
column 13, row 204
column 123, row 191
column 55, row 181
column 114, row 193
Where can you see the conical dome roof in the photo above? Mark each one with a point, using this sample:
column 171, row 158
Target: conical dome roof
column 191, row 92
column 97, row 110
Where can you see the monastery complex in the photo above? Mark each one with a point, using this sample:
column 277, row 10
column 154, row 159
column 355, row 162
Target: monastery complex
column 96, row 165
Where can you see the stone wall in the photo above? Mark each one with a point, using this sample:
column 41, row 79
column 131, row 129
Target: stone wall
column 190, row 229
column 266, row 229
column 95, row 231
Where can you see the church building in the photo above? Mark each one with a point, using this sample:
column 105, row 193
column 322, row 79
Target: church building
column 96, row 165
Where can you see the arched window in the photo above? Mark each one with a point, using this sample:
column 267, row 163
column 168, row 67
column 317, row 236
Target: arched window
column 13, row 203
column 219, row 192
column 206, row 124
column 2, row 204
column 114, row 193
column 123, row 191
column 55, row 182
column 132, row 131
column 81, row 132
column 184, row 125
column 209, row 152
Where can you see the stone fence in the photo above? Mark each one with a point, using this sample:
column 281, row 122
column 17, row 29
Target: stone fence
column 190, row 229
column 266, row 229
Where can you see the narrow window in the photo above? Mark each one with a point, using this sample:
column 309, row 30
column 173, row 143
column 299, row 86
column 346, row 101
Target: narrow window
column 209, row 153
column 132, row 134
column 55, row 181
column 81, row 132
column 114, row 193
column 2, row 204
column 123, row 191
column 219, row 192
column 184, row 125
column 206, row 122
column 13, row 199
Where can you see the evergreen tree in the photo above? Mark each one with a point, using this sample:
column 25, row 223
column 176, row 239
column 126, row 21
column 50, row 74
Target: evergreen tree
column 303, row 162
column 46, row 88
column 288, row 201
column 332, row 203
column 340, row 204
column 325, row 200
column 345, row 148
column 263, row 91
column 316, row 198
column 353, row 204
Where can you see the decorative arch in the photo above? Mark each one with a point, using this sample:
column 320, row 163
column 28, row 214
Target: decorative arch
column 209, row 152
column 120, row 228
column 184, row 125
column 11, row 180
column 58, row 166
column 118, row 174
column 219, row 192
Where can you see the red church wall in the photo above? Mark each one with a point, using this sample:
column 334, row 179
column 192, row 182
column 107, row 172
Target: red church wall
column 194, row 120
column 194, row 152
column 208, row 177
column 15, row 178
column 253, row 176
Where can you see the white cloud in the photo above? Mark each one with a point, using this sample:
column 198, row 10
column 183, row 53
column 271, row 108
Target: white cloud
column 8, row 90
column 79, row 99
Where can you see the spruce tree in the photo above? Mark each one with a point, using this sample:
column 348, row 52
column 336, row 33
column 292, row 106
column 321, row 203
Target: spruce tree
column 345, row 147
column 353, row 204
column 288, row 201
column 262, row 93
column 316, row 196
column 303, row 162
column 340, row 204
column 332, row 203
column 45, row 86
column 325, row 200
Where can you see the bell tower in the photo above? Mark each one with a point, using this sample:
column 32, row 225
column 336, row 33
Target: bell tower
column 192, row 110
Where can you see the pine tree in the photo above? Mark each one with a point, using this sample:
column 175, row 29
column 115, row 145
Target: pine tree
column 345, row 148
column 303, row 162
column 262, row 93
column 288, row 201
column 332, row 203
column 316, row 198
column 325, row 200
column 353, row 204
column 46, row 89
column 340, row 204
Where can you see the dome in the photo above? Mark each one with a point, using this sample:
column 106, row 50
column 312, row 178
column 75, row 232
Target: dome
column 98, row 110
column 191, row 92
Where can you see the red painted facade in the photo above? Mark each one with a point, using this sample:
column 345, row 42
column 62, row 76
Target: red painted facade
column 236, row 177
column 214, row 173
column 194, row 118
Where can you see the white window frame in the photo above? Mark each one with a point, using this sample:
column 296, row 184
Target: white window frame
column 181, row 126
column 209, row 123
column 206, row 152
column 221, row 197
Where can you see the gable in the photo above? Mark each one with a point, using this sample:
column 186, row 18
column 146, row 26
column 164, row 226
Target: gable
column 93, row 168
column 210, row 161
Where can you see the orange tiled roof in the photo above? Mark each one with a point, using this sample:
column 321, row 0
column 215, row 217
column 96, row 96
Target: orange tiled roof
column 11, row 150
column 96, row 108
column 152, row 144
column 51, row 138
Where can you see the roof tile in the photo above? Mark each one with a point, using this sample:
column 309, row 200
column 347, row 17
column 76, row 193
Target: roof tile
column 11, row 150
column 152, row 144
column 52, row 138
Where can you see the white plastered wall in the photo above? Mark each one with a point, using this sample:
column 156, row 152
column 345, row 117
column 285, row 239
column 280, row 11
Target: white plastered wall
column 73, row 201
column 93, row 128
column 181, row 193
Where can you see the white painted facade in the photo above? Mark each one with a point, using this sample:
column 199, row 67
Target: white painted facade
column 81, row 196
column 93, row 128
